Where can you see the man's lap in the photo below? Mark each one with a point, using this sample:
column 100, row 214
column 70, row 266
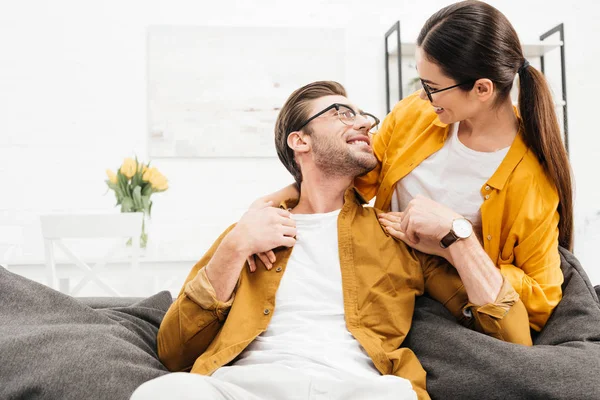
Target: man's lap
column 266, row 382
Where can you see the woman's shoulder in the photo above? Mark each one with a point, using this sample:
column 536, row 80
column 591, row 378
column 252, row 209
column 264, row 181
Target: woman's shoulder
column 530, row 178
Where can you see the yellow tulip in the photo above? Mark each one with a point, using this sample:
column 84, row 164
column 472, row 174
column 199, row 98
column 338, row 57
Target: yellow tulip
column 158, row 181
column 112, row 177
column 129, row 167
column 148, row 174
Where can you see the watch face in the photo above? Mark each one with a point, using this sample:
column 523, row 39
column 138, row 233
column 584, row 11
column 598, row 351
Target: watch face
column 462, row 228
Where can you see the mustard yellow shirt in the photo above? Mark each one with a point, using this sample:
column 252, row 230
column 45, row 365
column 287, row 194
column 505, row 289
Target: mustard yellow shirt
column 381, row 278
column 519, row 214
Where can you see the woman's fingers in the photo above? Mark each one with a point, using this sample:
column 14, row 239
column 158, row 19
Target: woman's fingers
column 404, row 222
column 392, row 216
column 411, row 233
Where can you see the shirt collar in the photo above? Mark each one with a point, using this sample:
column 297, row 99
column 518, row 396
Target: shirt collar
column 515, row 154
column 351, row 195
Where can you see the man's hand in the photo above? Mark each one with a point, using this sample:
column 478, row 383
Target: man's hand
column 262, row 229
column 257, row 231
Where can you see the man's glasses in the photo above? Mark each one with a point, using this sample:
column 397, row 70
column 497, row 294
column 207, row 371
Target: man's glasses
column 429, row 91
column 347, row 116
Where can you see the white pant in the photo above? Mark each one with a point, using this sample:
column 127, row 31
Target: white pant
column 271, row 382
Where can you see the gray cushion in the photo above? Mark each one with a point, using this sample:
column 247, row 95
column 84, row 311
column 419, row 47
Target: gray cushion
column 564, row 362
column 55, row 347
column 108, row 302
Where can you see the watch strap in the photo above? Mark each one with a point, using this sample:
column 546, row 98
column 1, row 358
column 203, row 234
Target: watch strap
column 448, row 239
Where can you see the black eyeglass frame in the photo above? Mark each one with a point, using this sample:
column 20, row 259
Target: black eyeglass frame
column 337, row 108
column 429, row 91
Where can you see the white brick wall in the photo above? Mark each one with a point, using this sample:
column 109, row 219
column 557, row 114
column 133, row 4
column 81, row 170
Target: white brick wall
column 73, row 103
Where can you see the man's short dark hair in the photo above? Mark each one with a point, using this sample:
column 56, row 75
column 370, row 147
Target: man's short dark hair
column 293, row 114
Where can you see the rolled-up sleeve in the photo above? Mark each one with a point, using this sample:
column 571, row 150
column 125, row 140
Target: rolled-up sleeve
column 505, row 319
column 201, row 292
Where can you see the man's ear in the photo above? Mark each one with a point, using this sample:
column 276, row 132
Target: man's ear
column 484, row 89
column 299, row 142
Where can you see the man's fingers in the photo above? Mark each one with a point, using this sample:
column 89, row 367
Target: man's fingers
column 288, row 231
column 263, row 257
column 287, row 221
column 251, row 263
column 283, row 213
column 288, row 241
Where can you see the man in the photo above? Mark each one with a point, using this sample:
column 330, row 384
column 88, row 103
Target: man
column 327, row 320
column 344, row 289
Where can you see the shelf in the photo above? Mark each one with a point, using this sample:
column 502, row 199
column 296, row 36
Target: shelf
column 532, row 50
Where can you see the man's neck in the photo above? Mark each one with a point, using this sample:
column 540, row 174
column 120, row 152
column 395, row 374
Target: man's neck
column 319, row 194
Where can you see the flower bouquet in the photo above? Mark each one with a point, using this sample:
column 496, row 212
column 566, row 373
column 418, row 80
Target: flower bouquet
column 133, row 184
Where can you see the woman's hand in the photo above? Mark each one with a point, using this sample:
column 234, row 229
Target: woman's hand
column 422, row 225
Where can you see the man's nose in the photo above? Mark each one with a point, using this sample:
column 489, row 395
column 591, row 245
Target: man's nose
column 361, row 122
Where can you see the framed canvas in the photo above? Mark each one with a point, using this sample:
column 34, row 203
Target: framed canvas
column 216, row 91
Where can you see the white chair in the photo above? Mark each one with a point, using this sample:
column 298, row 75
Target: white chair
column 11, row 240
column 94, row 226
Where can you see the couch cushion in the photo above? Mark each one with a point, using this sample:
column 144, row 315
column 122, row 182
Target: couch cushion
column 56, row 347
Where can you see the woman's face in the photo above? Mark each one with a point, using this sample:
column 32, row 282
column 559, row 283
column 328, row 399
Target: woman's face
column 452, row 105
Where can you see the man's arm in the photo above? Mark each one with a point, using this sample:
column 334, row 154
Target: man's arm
column 195, row 318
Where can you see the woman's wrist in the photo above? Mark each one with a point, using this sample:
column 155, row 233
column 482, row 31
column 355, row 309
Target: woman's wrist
column 458, row 250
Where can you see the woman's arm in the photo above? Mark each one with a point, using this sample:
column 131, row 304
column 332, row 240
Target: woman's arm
column 286, row 193
column 505, row 318
column 528, row 259
column 422, row 226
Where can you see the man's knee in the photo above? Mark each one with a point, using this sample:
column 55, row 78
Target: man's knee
column 180, row 385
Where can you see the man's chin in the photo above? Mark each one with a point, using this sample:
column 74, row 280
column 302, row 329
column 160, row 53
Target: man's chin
column 367, row 165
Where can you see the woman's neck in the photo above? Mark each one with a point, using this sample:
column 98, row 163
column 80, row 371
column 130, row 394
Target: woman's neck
column 490, row 131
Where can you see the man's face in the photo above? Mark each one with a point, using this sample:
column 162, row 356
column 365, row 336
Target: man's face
column 339, row 149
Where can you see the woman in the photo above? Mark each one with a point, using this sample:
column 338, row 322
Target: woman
column 458, row 150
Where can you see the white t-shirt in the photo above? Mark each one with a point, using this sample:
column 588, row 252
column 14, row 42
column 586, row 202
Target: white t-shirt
column 308, row 331
column 453, row 177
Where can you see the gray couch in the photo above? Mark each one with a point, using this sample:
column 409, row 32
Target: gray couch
column 57, row 347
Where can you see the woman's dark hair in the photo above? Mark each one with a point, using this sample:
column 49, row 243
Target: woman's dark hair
column 472, row 40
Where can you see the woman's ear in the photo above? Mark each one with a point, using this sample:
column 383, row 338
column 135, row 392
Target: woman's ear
column 484, row 89
column 298, row 142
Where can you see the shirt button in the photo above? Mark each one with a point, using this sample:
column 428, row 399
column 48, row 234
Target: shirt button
column 489, row 237
column 278, row 269
column 487, row 187
column 267, row 311
column 487, row 196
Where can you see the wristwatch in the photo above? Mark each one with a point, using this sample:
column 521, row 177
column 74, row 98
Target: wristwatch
column 461, row 229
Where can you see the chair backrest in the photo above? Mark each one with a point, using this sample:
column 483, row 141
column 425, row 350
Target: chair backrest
column 11, row 240
column 63, row 226
column 89, row 226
